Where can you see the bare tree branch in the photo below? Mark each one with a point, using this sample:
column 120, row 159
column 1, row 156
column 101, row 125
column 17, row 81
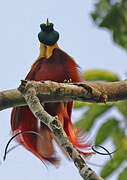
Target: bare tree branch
column 48, row 91
column 55, row 126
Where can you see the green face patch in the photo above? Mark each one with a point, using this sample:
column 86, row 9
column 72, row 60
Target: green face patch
column 48, row 35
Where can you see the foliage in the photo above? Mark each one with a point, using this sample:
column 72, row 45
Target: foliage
column 111, row 128
column 97, row 74
column 112, row 14
column 90, row 116
column 123, row 175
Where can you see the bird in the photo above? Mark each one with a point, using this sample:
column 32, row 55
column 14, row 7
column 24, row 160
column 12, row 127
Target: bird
column 55, row 65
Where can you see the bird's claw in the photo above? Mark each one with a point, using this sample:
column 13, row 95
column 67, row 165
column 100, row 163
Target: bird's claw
column 68, row 80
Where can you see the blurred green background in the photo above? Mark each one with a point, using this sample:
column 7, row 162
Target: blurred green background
column 111, row 15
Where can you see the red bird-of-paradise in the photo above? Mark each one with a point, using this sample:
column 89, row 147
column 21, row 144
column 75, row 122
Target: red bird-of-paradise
column 55, row 65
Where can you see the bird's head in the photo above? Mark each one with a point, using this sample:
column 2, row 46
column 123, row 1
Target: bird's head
column 48, row 38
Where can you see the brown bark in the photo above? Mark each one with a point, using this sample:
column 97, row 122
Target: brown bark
column 48, row 91
column 55, row 126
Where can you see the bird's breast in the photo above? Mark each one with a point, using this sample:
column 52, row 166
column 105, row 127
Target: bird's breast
column 50, row 71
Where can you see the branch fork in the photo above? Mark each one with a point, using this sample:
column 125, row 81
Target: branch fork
column 55, row 126
column 34, row 93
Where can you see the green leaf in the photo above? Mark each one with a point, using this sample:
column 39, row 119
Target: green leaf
column 93, row 75
column 78, row 104
column 122, row 107
column 123, row 175
column 94, row 111
column 105, row 131
column 113, row 16
column 120, row 140
column 110, row 21
column 111, row 166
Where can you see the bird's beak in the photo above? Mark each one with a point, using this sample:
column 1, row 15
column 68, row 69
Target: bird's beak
column 47, row 51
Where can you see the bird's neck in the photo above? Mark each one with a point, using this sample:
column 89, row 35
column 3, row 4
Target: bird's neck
column 46, row 51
